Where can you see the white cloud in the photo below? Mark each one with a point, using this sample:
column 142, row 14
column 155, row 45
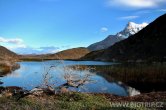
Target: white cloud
column 136, row 3
column 12, row 41
column 128, row 17
column 104, row 29
column 162, row 10
column 17, row 45
column 144, row 12
column 32, row 50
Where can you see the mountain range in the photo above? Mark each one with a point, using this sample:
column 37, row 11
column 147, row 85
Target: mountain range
column 69, row 54
column 130, row 29
column 140, row 42
column 148, row 44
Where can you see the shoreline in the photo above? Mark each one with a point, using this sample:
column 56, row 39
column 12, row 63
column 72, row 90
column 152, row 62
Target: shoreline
column 81, row 101
column 150, row 96
column 7, row 67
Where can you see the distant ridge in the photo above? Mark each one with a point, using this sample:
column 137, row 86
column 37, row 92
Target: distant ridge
column 69, row 54
column 74, row 53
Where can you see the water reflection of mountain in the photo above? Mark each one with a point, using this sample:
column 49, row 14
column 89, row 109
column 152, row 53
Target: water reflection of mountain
column 129, row 90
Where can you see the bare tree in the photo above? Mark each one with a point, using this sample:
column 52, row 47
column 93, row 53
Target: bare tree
column 76, row 77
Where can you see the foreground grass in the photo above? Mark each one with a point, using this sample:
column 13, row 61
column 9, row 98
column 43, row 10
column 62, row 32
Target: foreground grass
column 80, row 101
column 68, row 101
column 60, row 102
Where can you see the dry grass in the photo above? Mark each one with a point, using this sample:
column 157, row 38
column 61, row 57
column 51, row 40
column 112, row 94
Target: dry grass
column 153, row 73
column 69, row 101
column 143, row 77
column 8, row 66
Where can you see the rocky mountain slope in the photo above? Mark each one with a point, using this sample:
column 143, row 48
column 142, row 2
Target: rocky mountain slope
column 147, row 44
column 6, row 54
column 130, row 29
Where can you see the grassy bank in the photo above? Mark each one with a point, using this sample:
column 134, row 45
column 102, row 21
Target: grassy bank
column 76, row 101
column 73, row 101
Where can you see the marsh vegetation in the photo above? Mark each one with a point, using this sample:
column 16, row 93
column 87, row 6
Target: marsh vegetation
column 144, row 77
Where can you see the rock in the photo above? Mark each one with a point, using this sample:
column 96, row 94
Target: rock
column 64, row 90
column 49, row 90
column 1, row 89
column 10, row 91
column 1, row 82
column 7, row 94
column 37, row 91
column 14, row 89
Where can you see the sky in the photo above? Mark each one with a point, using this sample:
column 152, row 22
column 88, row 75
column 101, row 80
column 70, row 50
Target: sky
column 48, row 26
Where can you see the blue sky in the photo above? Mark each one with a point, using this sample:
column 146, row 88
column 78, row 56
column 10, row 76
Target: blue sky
column 47, row 26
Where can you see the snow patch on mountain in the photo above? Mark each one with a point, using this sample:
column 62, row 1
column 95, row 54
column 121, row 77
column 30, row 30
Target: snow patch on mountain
column 131, row 29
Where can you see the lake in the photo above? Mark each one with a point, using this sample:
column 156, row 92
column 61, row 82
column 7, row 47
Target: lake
column 30, row 75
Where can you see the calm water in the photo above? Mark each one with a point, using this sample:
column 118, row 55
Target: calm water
column 30, row 75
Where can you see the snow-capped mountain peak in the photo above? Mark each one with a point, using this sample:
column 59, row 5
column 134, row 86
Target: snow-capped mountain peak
column 131, row 29
column 134, row 26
